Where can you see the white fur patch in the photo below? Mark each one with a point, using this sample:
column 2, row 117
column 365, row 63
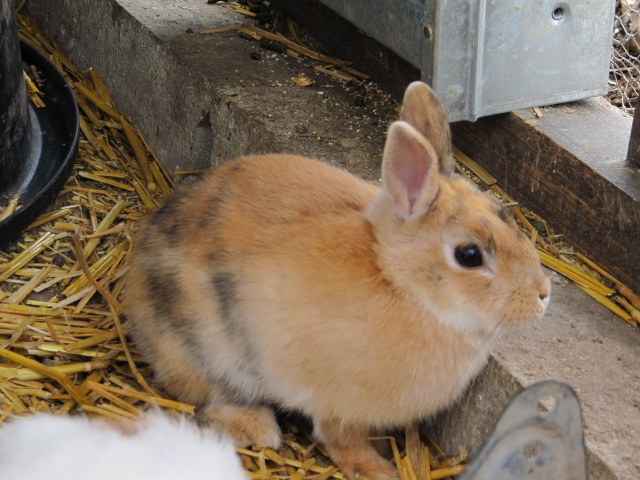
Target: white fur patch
column 461, row 321
column 76, row 448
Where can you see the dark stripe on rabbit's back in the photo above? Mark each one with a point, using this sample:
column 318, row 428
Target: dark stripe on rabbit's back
column 165, row 296
column 185, row 210
column 224, row 285
column 167, row 219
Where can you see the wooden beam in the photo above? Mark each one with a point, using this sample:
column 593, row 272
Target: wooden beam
column 633, row 153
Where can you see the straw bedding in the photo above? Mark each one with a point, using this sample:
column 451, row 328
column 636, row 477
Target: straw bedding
column 63, row 335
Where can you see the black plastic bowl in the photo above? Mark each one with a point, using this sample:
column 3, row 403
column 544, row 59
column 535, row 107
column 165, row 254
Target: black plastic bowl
column 54, row 145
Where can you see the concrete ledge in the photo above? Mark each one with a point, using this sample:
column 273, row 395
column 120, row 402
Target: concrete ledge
column 201, row 100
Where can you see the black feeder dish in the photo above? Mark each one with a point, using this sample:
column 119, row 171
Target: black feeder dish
column 37, row 145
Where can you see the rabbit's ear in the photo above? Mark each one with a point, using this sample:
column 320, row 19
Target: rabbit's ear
column 424, row 112
column 409, row 171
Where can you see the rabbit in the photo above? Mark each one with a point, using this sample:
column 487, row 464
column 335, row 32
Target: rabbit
column 281, row 281
column 154, row 447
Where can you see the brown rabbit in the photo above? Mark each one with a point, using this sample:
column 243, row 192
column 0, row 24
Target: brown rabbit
column 280, row 280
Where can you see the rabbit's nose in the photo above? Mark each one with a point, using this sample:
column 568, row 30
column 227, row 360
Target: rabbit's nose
column 544, row 293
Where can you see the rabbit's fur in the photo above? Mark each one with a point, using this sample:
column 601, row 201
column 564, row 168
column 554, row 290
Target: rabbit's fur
column 154, row 447
column 282, row 280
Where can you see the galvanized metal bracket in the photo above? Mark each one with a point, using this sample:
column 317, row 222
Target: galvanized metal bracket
column 539, row 435
column 484, row 57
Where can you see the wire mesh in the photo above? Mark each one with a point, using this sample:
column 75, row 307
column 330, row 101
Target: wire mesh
column 624, row 72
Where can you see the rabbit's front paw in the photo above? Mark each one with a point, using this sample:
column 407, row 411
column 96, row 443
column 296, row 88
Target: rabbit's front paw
column 246, row 425
column 349, row 447
column 365, row 464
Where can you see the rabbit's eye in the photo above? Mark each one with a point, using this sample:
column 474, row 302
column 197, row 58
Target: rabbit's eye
column 469, row 256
